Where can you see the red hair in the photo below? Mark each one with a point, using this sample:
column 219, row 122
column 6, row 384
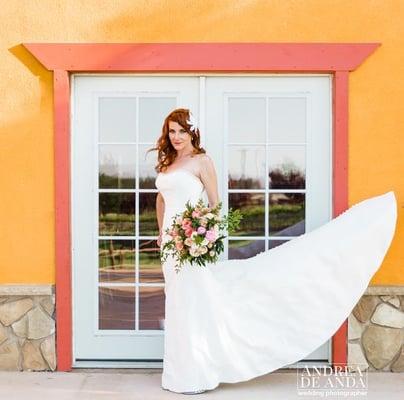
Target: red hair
column 166, row 152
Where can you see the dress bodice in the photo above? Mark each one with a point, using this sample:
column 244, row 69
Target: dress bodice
column 177, row 187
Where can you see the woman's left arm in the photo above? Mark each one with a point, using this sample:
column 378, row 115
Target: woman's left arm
column 209, row 179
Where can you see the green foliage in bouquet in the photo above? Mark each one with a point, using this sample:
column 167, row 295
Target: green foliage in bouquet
column 196, row 234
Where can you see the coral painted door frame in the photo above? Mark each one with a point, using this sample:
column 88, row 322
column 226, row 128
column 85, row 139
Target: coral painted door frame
column 337, row 59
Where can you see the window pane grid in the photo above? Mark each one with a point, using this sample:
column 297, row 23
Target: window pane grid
column 283, row 177
column 145, row 304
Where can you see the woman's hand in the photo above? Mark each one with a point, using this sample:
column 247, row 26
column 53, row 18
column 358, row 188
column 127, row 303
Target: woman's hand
column 159, row 239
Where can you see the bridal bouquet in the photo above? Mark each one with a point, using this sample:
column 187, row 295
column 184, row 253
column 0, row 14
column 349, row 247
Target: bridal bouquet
column 196, row 235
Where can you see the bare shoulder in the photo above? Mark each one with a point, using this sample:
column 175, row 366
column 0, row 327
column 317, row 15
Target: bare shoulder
column 205, row 163
column 204, row 159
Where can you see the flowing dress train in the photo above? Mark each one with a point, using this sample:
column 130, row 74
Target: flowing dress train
column 237, row 319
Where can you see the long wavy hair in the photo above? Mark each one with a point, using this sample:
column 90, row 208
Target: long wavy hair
column 166, row 152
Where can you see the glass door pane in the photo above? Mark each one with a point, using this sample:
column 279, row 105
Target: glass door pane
column 271, row 140
column 118, row 280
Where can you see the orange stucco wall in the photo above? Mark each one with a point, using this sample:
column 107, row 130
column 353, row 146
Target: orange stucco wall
column 376, row 119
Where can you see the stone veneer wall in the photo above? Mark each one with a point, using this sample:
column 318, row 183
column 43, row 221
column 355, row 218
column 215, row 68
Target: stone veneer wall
column 376, row 330
column 27, row 328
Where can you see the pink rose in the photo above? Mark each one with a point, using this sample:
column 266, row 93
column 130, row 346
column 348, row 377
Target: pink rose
column 188, row 231
column 186, row 223
column 179, row 245
column 201, row 230
column 211, row 235
column 195, row 214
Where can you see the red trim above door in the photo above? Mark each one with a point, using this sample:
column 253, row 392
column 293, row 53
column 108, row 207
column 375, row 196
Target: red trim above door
column 195, row 57
column 64, row 58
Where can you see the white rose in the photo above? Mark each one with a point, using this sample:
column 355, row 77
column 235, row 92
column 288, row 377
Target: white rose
column 193, row 251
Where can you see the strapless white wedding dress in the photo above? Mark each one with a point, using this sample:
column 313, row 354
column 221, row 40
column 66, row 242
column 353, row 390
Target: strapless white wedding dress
column 237, row 319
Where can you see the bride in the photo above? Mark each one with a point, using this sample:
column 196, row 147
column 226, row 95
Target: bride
column 238, row 319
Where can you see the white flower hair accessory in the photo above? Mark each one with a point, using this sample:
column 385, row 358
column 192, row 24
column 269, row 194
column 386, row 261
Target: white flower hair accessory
column 193, row 122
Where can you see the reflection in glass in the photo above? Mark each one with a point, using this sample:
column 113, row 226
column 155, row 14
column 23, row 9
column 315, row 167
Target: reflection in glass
column 246, row 167
column 252, row 206
column 287, row 119
column 150, row 269
column 147, row 215
column 116, row 213
column 287, row 167
column 147, row 162
column 151, row 307
column 117, row 119
column 116, row 307
column 117, row 166
column 286, row 214
column 240, row 249
column 275, row 243
column 116, row 260
column 247, row 119
column 152, row 112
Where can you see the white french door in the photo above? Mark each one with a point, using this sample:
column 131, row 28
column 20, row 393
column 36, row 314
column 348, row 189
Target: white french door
column 270, row 138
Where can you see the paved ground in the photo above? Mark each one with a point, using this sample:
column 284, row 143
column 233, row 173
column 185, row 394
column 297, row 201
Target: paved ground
column 129, row 384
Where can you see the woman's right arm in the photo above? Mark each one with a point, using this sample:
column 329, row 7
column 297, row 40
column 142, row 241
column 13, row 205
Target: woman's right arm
column 160, row 215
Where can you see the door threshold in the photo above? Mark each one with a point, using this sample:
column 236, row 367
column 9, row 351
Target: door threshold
column 117, row 364
column 159, row 364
